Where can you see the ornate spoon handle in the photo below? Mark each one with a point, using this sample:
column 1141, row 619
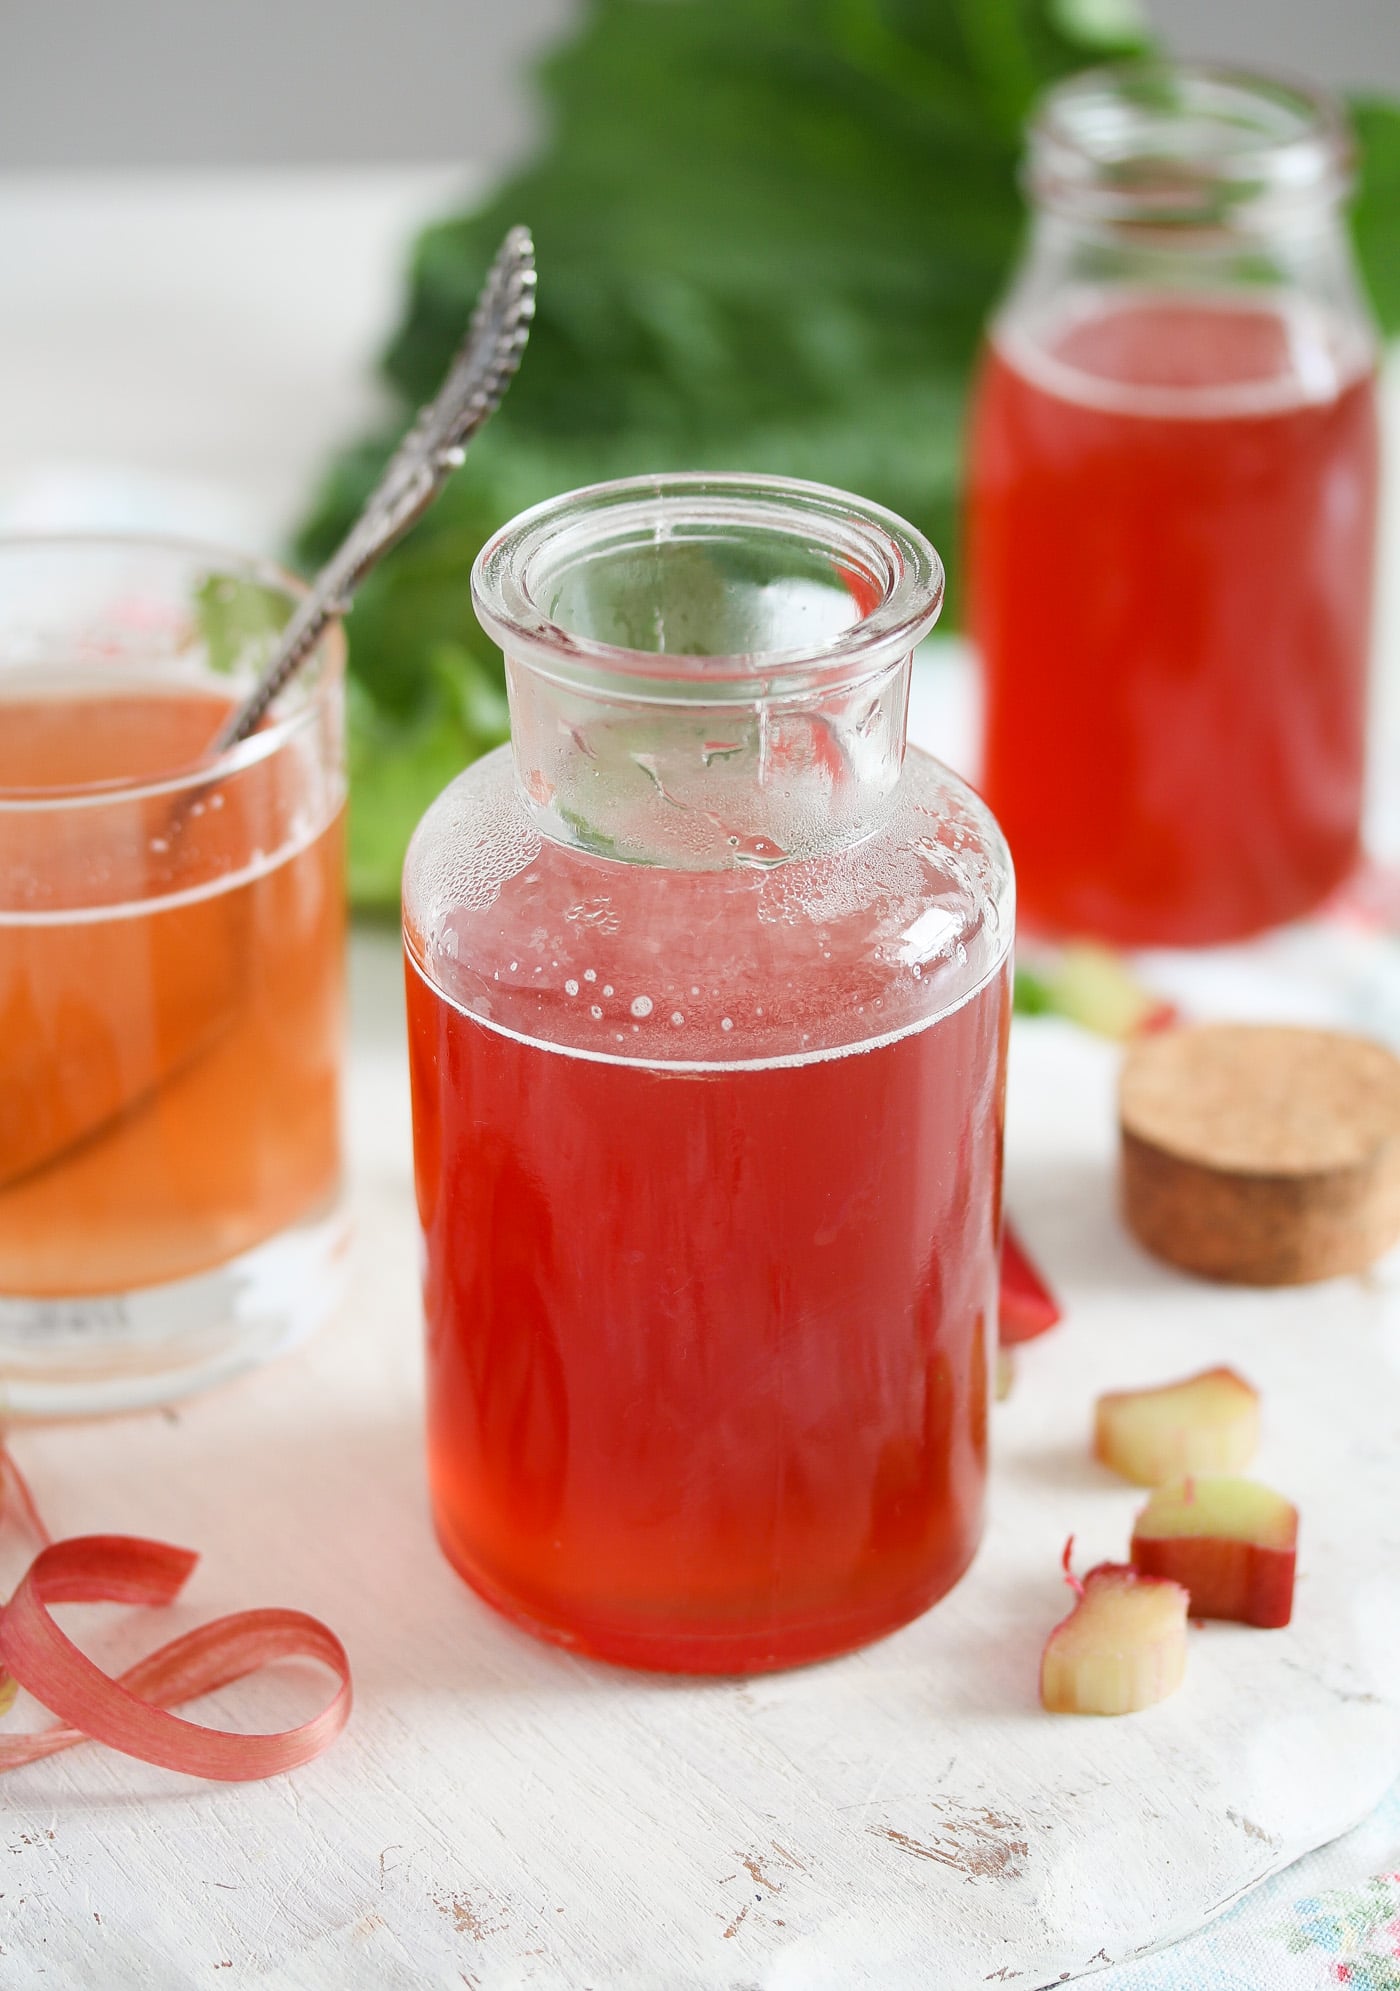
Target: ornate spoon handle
column 431, row 450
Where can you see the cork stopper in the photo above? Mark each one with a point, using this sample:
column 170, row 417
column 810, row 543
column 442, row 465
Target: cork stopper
column 1261, row 1154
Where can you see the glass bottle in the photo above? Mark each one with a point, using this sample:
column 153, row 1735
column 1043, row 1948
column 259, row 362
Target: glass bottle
column 1173, row 490
column 708, row 999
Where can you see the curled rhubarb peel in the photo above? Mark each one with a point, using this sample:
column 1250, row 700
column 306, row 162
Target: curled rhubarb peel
column 130, row 1713
column 15, row 1494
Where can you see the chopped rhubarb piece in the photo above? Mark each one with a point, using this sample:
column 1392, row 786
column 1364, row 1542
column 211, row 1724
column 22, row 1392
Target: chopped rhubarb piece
column 1122, row 1647
column 1204, row 1424
column 1095, row 988
column 1027, row 1305
column 1232, row 1542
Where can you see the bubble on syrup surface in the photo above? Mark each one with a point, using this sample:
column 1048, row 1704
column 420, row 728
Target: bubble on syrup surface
column 641, row 1005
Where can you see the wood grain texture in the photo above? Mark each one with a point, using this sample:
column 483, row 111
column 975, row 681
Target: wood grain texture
column 503, row 1815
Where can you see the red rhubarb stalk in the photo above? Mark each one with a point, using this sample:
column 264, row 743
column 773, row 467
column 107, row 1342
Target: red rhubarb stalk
column 1028, row 1307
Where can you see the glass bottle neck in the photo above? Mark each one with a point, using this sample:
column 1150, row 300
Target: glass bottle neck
column 706, row 786
column 1189, row 177
column 1299, row 240
column 1302, row 271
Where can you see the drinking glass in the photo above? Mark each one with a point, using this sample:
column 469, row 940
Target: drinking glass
column 171, row 974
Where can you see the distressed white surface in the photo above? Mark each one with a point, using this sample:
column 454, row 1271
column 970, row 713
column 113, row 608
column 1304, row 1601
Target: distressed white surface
column 501, row 1814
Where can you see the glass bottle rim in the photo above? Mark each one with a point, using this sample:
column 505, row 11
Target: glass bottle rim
column 293, row 712
column 862, row 540
column 1186, row 144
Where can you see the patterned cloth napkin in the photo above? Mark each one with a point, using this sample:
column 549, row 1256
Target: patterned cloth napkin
column 1334, row 1918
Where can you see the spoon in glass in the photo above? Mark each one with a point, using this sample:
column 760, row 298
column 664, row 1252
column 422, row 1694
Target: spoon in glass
column 419, row 467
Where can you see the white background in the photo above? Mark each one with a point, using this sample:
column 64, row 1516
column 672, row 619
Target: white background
column 88, row 83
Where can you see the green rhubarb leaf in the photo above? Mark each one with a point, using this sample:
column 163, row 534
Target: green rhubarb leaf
column 398, row 765
column 1376, row 214
column 238, row 619
column 1032, row 995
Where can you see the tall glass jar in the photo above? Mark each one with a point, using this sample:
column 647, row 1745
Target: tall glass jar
column 1173, row 512
column 708, row 997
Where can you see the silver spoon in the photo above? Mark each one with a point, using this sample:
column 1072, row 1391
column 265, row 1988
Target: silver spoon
column 431, row 450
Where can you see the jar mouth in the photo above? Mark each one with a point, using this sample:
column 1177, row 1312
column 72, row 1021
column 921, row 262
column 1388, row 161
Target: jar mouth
column 704, row 586
column 1186, row 144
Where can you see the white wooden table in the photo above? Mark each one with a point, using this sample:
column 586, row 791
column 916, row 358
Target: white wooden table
column 504, row 1815
column 501, row 1814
